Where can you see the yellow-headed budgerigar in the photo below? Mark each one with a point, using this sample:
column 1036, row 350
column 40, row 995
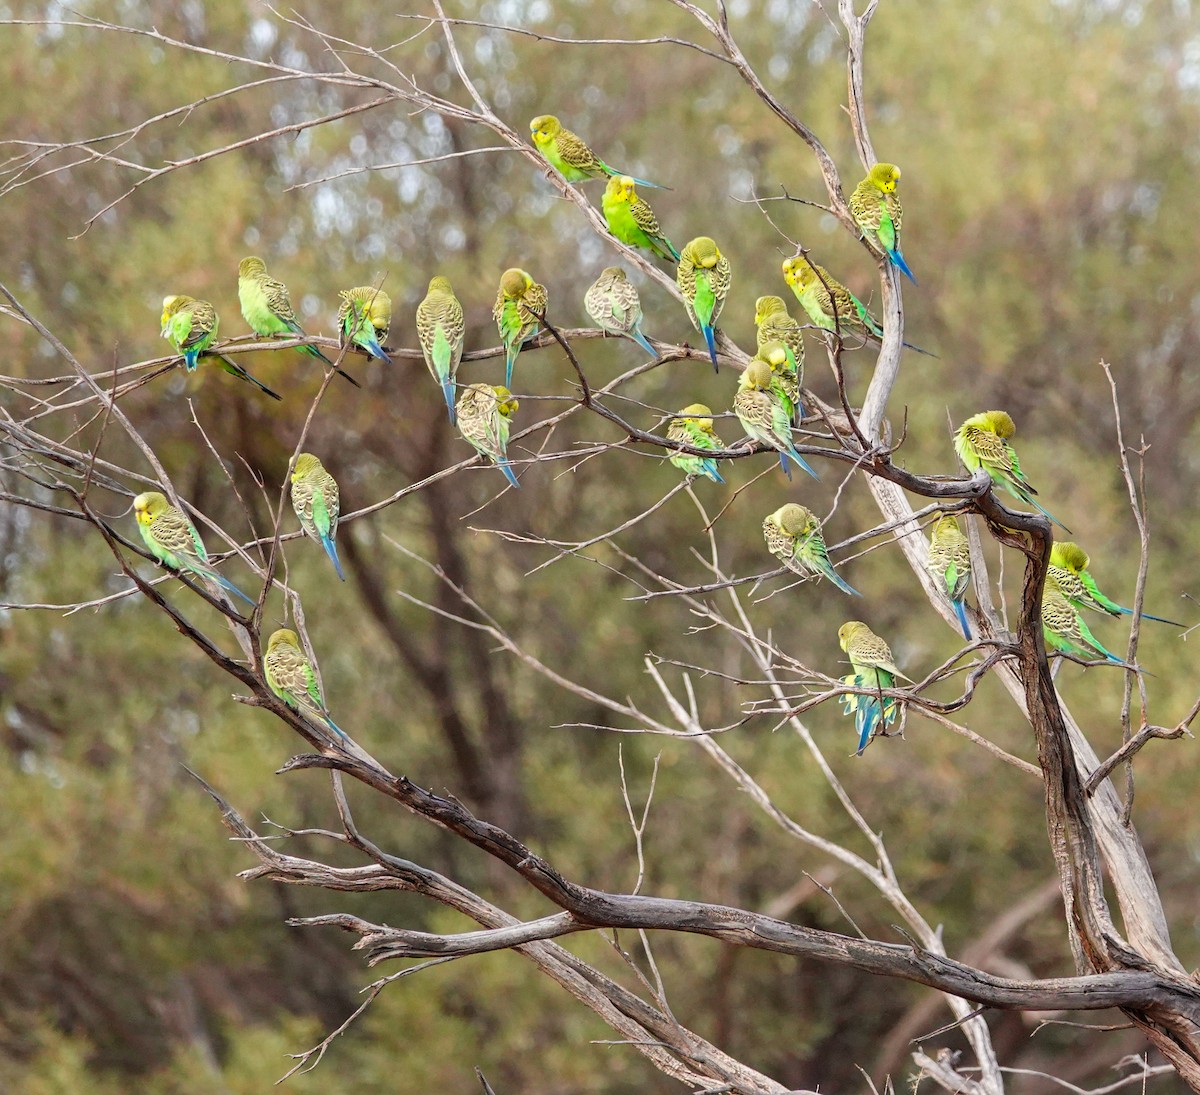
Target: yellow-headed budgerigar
column 291, row 677
column 764, row 415
column 822, row 295
column 364, row 319
column 484, row 417
column 1064, row 629
column 440, row 327
column 876, row 209
column 773, row 323
column 613, row 303
column 267, row 308
column 793, row 536
column 190, row 325
column 317, row 503
column 174, row 541
column 982, row 442
column 694, row 426
column 950, row 565
column 874, row 668
column 569, row 155
column 632, row 221
column 519, row 302
column 703, row 277
column 787, row 382
column 1069, row 571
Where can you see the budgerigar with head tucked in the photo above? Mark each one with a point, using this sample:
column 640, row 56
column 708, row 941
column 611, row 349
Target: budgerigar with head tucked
column 703, row 277
column 1064, row 629
column 613, row 303
column 484, row 418
column 694, row 426
column 786, row 380
column 873, row 667
column 876, row 209
column 267, row 308
column 982, row 442
column 950, row 564
column 773, row 323
column 440, row 329
column 793, row 536
column 364, row 319
column 519, row 302
column 174, row 541
column 764, row 415
column 317, row 502
column 291, row 677
column 570, row 155
column 632, row 221
column 1069, row 571
column 191, row 325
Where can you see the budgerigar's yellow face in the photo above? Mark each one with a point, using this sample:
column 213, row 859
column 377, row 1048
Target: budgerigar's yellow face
column 885, row 176
column 544, row 128
column 797, row 273
column 171, row 305
column 628, row 189
column 757, row 375
column 775, row 354
column 767, row 306
column 848, row 631
column 148, row 506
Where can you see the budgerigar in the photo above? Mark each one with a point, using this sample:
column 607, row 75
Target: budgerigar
column 190, row 325
column 267, row 308
column 440, row 327
column 1064, row 629
column 1069, row 571
column 290, row 676
column 820, row 293
column 517, row 301
column 787, row 382
column 764, row 416
column 873, row 667
column 317, row 503
column 174, row 541
column 632, row 221
column 876, row 208
column 613, row 303
column 484, row 417
column 793, row 535
column 950, row 565
column 703, row 277
column 569, row 155
column 694, row 427
column 982, row 442
column 773, row 323
column 364, row 319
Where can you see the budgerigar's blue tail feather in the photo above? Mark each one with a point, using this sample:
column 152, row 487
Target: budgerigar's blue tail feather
column 712, row 346
column 927, row 353
column 335, row 728
column 960, row 610
column 448, row 395
column 226, row 584
column 709, row 467
column 898, row 262
column 191, row 359
column 646, row 182
column 802, row 463
column 643, row 342
column 331, row 551
column 845, row 587
column 506, row 467
column 510, row 359
column 1047, row 514
column 784, row 465
column 1147, row 616
column 868, row 717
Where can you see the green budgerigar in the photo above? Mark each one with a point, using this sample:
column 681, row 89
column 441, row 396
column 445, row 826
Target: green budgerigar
column 703, row 277
column 613, row 303
column 876, row 209
column 569, row 155
column 764, row 415
column 694, row 426
column 950, row 564
column 440, row 328
column 1069, row 571
column 364, row 319
column 290, row 676
column 982, row 442
column 317, row 502
column 632, row 221
column 174, row 541
column 267, row 308
column 484, row 418
column 831, row 306
column 787, row 382
column 1064, row 628
column 793, row 536
column 191, row 325
column 873, row 667
column 520, row 302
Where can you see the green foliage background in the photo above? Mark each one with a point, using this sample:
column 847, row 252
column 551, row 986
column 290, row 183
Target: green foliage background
column 1049, row 159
